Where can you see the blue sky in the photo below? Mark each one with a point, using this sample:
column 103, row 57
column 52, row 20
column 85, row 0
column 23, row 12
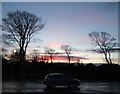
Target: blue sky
column 60, row 0
column 70, row 23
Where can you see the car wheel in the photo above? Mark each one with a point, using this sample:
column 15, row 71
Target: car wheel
column 48, row 86
column 69, row 86
column 75, row 85
column 52, row 85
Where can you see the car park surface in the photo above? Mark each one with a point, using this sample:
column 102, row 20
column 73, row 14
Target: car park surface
column 37, row 87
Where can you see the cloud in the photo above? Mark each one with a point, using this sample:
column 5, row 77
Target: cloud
column 115, row 50
column 95, row 50
column 55, row 44
column 100, row 51
column 90, row 16
column 65, row 58
column 109, row 6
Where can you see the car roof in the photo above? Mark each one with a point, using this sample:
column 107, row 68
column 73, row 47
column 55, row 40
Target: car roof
column 56, row 74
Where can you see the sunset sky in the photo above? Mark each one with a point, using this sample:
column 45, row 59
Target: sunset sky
column 70, row 23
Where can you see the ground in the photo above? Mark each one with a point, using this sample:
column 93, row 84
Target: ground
column 37, row 87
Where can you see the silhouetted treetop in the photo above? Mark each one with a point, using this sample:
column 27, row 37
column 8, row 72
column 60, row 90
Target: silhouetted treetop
column 105, row 42
column 68, row 50
column 20, row 27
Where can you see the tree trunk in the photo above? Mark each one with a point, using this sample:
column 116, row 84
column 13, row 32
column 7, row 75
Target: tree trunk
column 22, row 55
column 110, row 57
column 51, row 57
column 106, row 58
column 68, row 59
column 22, row 61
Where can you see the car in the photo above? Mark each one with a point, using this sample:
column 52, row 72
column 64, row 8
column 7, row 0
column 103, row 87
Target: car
column 59, row 79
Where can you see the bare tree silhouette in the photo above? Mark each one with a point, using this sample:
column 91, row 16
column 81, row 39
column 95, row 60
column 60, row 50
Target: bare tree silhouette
column 68, row 50
column 4, row 52
column 50, row 52
column 35, row 55
column 105, row 42
column 20, row 27
column 15, row 55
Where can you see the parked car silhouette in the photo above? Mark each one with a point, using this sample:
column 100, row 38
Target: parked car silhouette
column 60, row 79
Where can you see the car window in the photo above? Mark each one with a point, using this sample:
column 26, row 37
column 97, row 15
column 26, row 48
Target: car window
column 60, row 76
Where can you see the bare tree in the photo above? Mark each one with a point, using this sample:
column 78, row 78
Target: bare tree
column 68, row 50
column 50, row 52
column 4, row 52
column 20, row 27
column 105, row 42
column 35, row 55
column 15, row 56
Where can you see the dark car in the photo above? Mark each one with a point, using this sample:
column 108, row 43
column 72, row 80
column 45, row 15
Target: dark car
column 60, row 79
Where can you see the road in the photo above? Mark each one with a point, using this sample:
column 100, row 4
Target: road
column 36, row 87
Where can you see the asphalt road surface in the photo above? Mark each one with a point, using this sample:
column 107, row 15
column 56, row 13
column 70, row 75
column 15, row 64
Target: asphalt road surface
column 37, row 87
